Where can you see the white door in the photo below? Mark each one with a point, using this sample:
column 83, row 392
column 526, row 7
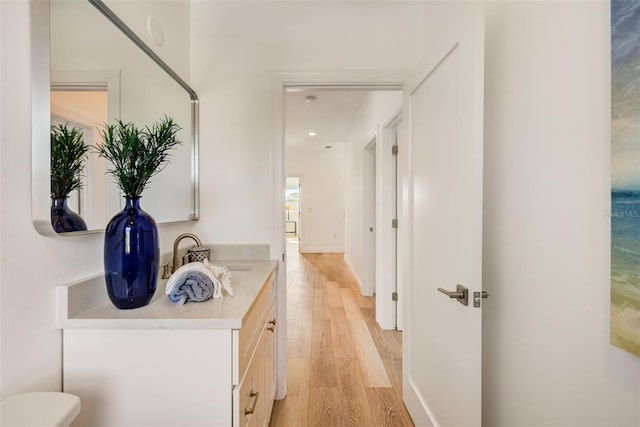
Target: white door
column 442, row 359
column 370, row 213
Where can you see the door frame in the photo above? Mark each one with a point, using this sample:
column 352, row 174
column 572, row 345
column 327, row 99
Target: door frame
column 369, row 285
column 389, row 209
column 361, row 79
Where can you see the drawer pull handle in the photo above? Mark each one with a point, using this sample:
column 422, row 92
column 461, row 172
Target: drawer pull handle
column 273, row 322
column 271, row 328
column 254, row 400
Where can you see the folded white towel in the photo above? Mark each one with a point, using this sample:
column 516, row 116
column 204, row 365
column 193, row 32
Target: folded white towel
column 220, row 277
column 179, row 277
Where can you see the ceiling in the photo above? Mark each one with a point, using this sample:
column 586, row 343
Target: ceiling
column 330, row 116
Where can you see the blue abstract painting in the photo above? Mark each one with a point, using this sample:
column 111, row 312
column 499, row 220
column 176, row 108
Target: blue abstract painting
column 625, row 175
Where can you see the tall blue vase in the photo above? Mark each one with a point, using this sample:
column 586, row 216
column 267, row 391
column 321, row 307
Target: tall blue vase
column 131, row 256
column 63, row 219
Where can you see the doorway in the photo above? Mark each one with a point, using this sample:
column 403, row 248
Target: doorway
column 341, row 141
column 292, row 209
column 288, row 82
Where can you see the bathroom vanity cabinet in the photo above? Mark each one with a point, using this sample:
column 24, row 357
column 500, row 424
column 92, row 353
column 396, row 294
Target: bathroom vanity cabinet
column 199, row 364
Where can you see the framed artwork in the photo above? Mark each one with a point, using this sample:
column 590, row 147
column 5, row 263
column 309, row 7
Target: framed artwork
column 625, row 175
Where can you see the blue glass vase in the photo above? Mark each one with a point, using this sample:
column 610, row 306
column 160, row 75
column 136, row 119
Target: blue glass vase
column 131, row 256
column 63, row 219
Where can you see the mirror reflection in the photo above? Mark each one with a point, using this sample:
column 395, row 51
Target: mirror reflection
column 99, row 75
column 83, row 112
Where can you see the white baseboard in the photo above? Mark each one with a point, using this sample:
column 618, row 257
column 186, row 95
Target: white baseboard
column 353, row 273
column 321, row 249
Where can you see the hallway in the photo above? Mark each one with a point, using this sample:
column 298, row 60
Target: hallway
column 343, row 370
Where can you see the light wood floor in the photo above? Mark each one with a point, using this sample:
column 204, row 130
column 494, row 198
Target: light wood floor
column 343, row 370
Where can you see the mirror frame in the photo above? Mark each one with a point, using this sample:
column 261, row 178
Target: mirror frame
column 41, row 116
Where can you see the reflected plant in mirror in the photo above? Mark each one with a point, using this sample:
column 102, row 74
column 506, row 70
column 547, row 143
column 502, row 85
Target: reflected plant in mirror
column 68, row 161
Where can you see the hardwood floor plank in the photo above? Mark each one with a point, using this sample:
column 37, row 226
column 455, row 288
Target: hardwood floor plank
column 394, row 371
column 338, row 315
column 320, row 304
column 333, row 295
column 385, row 340
column 292, row 411
column 368, row 313
column 373, row 371
column 341, row 334
column 301, row 339
column 362, row 300
column 324, row 407
column 351, row 307
column 290, row 327
column 323, row 368
column 355, row 405
column 386, row 409
column 277, row 413
column 298, row 374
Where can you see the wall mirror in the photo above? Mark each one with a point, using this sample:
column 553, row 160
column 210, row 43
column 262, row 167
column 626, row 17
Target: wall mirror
column 89, row 69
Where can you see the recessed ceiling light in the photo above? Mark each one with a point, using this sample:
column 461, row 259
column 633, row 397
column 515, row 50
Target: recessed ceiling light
column 310, row 99
column 312, row 133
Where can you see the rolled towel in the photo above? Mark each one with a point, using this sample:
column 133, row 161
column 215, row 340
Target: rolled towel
column 192, row 282
column 222, row 274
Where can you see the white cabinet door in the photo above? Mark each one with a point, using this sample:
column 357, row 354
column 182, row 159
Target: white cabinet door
column 149, row 377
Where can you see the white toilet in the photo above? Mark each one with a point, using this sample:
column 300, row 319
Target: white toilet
column 39, row 409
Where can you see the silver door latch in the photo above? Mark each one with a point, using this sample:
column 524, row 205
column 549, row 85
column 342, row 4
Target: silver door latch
column 478, row 296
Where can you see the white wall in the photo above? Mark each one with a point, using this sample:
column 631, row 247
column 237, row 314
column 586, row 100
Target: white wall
column 321, row 173
column 547, row 357
column 31, row 265
column 237, row 47
column 375, row 108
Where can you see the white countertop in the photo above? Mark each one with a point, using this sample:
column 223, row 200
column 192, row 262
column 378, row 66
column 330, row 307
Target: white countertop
column 85, row 304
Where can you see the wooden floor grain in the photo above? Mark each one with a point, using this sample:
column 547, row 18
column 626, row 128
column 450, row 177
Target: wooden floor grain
column 343, row 370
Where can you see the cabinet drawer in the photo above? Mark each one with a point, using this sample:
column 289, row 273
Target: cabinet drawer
column 245, row 399
column 270, row 366
column 245, row 339
column 249, row 396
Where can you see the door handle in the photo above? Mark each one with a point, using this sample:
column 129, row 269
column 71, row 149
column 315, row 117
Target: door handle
column 461, row 294
column 253, row 402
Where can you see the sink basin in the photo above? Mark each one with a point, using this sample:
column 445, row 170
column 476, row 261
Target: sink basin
column 239, row 267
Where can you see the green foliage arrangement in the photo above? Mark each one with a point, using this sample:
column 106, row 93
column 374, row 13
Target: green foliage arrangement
column 68, row 156
column 137, row 154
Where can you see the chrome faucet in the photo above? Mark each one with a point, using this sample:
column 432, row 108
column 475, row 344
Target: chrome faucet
column 176, row 259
